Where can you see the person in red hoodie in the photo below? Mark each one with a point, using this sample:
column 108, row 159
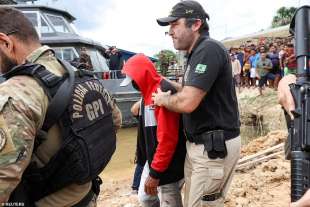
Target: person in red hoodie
column 164, row 140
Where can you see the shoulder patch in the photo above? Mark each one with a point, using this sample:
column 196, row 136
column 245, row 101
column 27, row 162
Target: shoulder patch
column 6, row 142
column 3, row 139
column 201, row 68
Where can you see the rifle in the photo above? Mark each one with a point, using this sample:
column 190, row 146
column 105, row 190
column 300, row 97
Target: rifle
column 299, row 131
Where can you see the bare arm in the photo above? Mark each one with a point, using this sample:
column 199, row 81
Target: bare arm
column 281, row 58
column 185, row 101
column 116, row 112
column 135, row 108
column 285, row 97
column 303, row 202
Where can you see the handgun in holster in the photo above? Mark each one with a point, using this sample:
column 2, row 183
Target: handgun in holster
column 214, row 144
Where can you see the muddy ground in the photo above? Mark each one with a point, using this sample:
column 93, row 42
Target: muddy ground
column 265, row 184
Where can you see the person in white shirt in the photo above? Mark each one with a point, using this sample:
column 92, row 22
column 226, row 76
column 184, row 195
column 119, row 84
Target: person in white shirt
column 236, row 71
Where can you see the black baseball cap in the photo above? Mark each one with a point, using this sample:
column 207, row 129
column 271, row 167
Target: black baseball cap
column 186, row 9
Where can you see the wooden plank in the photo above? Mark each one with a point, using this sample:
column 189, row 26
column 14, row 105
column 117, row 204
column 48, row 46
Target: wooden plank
column 256, row 161
column 250, row 157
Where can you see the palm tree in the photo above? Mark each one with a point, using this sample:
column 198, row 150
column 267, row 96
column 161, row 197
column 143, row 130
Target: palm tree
column 283, row 16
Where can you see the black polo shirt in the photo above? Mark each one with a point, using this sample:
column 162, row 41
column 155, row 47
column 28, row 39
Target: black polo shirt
column 209, row 69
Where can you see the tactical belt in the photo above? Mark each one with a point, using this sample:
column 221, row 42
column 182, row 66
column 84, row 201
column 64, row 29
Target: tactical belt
column 199, row 139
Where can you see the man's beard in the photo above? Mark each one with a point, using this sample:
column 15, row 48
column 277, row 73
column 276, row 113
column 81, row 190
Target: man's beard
column 184, row 41
column 6, row 63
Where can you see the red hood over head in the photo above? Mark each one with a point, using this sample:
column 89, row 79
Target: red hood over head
column 142, row 70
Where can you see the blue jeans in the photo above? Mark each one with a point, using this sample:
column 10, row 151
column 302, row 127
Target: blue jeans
column 137, row 177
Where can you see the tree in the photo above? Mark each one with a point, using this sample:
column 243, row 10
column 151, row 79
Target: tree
column 165, row 58
column 283, row 16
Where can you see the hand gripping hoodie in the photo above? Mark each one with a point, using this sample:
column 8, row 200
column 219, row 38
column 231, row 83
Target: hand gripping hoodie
column 163, row 134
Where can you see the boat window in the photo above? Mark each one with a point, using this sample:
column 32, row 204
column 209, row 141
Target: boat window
column 39, row 22
column 98, row 61
column 33, row 17
column 58, row 53
column 74, row 30
column 66, row 53
column 59, row 23
column 45, row 28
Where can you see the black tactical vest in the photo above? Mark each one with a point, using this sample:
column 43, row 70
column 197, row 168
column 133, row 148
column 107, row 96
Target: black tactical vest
column 77, row 103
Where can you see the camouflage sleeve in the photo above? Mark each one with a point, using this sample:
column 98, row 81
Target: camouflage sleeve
column 19, row 121
column 17, row 133
column 116, row 112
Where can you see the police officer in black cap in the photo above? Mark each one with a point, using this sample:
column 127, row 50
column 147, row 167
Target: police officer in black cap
column 208, row 102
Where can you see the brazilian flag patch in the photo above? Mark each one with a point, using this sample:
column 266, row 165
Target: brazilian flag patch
column 201, row 68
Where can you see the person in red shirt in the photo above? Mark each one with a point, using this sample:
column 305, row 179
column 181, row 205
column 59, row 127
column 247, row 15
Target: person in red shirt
column 163, row 137
column 290, row 60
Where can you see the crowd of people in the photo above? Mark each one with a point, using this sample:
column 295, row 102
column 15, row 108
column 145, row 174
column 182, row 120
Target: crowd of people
column 262, row 64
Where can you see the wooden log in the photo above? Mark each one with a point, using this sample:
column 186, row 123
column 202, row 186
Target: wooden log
column 261, row 153
column 256, row 161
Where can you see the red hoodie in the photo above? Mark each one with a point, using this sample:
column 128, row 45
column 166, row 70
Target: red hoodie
column 144, row 73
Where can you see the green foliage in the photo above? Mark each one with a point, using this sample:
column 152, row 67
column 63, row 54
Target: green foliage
column 283, row 16
column 165, row 59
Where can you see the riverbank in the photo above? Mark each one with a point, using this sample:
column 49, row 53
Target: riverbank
column 122, row 163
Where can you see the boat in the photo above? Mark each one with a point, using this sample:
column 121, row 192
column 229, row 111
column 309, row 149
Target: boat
column 56, row 29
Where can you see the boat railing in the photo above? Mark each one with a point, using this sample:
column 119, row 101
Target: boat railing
column 111, row 74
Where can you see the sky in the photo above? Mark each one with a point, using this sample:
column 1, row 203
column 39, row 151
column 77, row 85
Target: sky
column 131, row 24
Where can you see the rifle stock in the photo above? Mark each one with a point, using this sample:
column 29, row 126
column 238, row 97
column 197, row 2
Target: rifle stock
column 299, row 132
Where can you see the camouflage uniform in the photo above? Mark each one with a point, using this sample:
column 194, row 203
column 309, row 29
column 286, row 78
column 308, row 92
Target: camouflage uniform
column 23, row 105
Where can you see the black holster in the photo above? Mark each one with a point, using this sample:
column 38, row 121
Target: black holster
column 94, row 191
column 214, row 144
column 96, row 185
